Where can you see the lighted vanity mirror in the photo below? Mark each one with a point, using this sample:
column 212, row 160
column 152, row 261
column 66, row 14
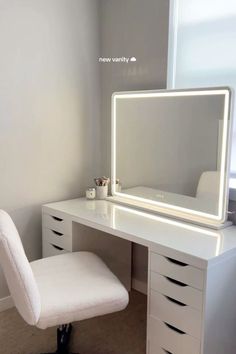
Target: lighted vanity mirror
column 170, row 152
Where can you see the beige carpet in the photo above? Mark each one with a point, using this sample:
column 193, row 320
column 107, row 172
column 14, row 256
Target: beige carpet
column 119, row 333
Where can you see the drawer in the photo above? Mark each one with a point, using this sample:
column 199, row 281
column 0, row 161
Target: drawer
column 153, row 349
column 56, row 223
column 177, row 290
column 175, row 313
column 58, row 239
column 50, row 250
column 162, row 335
column 177, row 270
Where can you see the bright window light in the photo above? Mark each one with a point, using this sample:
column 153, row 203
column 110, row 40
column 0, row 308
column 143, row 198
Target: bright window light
column 232, row 183
column 202, row 50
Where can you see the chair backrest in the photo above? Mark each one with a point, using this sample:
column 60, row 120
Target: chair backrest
column 208, row 185
column 18, row 272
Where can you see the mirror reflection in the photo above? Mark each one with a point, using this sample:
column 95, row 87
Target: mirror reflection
column 169, row 148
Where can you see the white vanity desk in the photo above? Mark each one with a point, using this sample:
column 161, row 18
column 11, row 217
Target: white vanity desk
column 192, row 271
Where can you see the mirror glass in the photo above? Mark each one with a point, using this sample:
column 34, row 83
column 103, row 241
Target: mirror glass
column 170, row 151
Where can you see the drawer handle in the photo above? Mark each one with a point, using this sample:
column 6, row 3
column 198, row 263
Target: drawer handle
column 166, row 351
column 57, row 247
column 181, row 264
column 57, row 233
column 176, row 282
column 56, row 218
column 174, row 328
column 175, row 301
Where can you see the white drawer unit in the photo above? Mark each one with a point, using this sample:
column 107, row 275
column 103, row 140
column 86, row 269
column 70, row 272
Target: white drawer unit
column 177, row 270
column 55, row 222
column 176, row 313
column 175, row 306
column 170, row 339
column 177, row 290
column 57, row 235
column 57, row 238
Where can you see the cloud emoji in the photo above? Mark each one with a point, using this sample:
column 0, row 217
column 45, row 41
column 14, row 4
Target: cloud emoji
column 133, row 59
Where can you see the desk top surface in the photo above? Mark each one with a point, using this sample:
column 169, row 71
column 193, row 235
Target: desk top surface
column 204, row 245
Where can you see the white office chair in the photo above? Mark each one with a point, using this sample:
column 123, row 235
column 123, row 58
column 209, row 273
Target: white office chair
column 57, row 290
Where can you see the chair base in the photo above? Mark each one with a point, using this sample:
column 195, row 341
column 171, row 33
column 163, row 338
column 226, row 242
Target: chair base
column 63, row 339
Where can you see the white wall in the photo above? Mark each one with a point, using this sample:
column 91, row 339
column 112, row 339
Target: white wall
column 132, row 28
column 50, row 138
column 49, row 108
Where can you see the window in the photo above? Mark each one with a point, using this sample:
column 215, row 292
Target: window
column 202, row 49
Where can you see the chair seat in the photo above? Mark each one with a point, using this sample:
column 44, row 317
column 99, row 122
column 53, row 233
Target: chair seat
column 76, row 286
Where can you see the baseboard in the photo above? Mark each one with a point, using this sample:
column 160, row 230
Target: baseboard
column 139, row 285
column 6, row 303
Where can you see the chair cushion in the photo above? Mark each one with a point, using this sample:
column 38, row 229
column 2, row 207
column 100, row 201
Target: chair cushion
column 76, row 286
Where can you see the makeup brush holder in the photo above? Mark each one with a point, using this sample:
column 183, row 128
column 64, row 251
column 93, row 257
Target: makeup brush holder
column 101, row 192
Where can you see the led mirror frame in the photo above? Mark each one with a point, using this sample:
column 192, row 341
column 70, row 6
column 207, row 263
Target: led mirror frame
column 168, row 209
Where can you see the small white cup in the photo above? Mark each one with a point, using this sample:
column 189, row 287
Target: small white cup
column 90, row 193
column 101, row 192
